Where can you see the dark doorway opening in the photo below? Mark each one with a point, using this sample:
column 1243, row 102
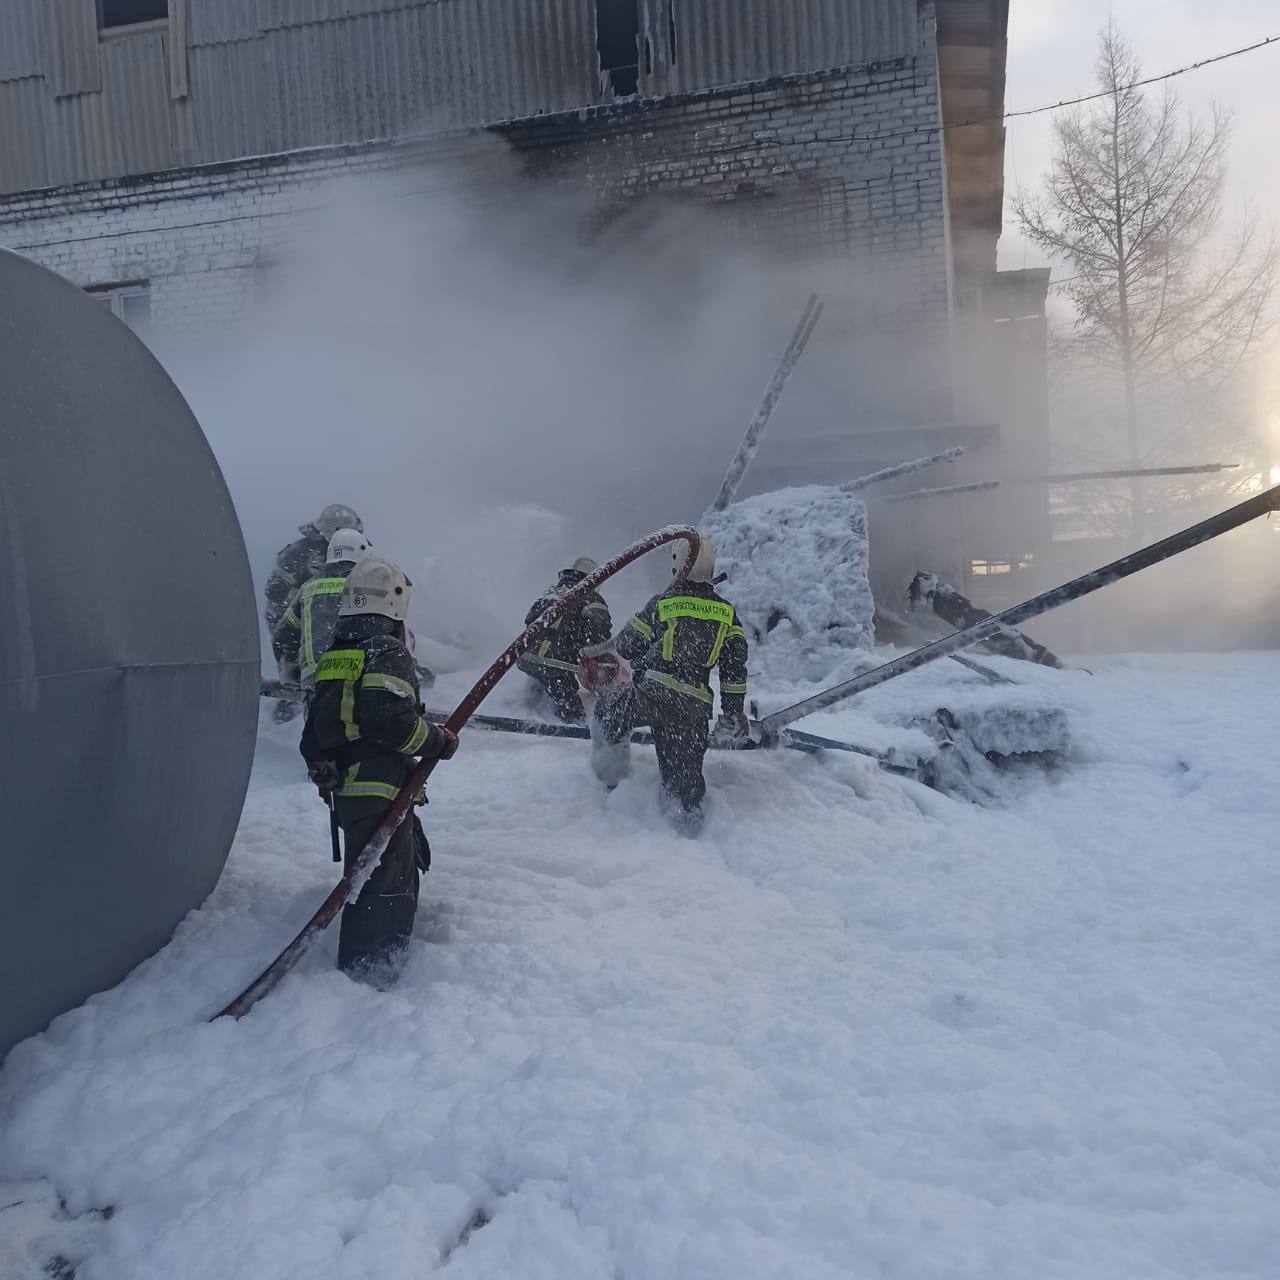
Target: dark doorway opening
column 618, row 44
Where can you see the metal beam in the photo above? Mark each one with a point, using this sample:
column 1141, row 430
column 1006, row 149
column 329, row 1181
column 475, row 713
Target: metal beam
column 1126, row 566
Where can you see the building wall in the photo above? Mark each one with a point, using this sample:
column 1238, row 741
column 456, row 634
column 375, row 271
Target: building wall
column 222, row 79
column 197, row 238
column 775, row 159
column 835, row 171
column 783, row 160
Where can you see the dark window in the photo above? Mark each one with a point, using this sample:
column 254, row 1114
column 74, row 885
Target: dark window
column 618, row 44
column 128, row 13
column 128, row 302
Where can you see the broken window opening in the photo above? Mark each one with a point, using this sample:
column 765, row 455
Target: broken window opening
column 130, row 13
column 618, row 45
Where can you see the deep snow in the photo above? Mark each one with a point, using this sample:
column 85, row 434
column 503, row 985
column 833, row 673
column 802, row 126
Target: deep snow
column 857, row 1029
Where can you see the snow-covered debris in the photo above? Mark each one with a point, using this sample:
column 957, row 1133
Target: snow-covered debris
column 797, row 562
column 39, row 1238
column 855, row 1030
column 797, row 565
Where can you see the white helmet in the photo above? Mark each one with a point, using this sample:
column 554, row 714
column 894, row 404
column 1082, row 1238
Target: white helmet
column 584, row 564
column 703, row 568
column 336, row 516
column 376, row 586
column 348, row 544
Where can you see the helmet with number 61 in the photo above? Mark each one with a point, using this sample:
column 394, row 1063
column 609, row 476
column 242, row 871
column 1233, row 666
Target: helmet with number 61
column 376, row 586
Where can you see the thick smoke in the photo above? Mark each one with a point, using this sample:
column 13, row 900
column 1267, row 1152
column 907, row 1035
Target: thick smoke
column 501, row 379
column 497, row 382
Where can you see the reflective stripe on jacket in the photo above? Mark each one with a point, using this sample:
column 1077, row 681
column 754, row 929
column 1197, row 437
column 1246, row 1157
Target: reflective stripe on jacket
column 679, row 637
column 306, row 630
column 296, row 564
column 364, row 713
column 589, row 624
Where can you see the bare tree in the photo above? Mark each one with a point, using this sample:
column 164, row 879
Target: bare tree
column 1166, row 308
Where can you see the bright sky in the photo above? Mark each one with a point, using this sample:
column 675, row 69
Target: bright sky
column 1051, row 50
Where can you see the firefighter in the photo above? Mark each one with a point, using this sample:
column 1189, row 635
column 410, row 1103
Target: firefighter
column 302, row 560
column 305, row 632
column 673, row 644
column 554, row 664
column 364, row 727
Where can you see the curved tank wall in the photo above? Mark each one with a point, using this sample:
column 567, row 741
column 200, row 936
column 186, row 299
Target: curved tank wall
column 129, row 657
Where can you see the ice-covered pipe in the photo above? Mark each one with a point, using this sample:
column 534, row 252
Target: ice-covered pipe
column 1134, row 562
column 901, row 469
column 755, row 429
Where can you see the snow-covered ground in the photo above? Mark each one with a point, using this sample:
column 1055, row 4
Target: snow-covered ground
column 857, row 1029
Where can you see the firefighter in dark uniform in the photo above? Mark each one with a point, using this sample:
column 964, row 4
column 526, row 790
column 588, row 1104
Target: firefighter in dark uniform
column 554, row 663
column 305, row 633
column 364, row 727
column 673, row 644
column 302, row 560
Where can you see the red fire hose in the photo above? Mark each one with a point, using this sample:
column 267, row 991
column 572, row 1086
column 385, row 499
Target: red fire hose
column 348, row 888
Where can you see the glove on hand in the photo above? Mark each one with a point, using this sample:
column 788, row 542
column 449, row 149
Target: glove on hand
column 733, row 724
column 441, row 745
column 325, row 775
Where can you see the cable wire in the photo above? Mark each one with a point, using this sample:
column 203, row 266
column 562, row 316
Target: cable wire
column 859, row 137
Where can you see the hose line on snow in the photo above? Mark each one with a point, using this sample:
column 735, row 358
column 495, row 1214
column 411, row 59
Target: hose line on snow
column 348, row 888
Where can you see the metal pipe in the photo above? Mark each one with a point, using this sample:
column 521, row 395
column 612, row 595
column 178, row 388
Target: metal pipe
column 764, row 410
column 1069, row 477
column 974, row 486
column 1134, row 562
column 901, row 469
column 1073, row 477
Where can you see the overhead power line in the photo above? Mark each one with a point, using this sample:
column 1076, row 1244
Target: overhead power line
column 1056, row 106
column 857, row 137
column 1139, row 84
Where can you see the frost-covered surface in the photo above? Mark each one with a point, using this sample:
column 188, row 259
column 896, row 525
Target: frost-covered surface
column 797, row 563
column 855, row 1030
column 1027, row 714
column 39, row 1239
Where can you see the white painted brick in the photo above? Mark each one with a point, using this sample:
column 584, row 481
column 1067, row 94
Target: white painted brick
column 196, row 235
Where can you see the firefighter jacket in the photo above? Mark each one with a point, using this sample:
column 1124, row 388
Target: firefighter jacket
column 587, row 625
column 305, row 633
column 680, row 636
column 300, row 561
column 364, row 714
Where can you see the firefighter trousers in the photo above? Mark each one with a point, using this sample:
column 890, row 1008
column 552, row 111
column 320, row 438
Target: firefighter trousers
column 562, row 688
column 681, row 733
column 373, row 939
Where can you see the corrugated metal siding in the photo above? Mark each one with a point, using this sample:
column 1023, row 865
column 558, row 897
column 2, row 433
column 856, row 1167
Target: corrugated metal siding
column 125, row 128
column 275, row 75
column 135, row 97
column 72, row 47
column 211, row 22
column 23, row 162
column 21, row 39
column 723, row 42
column 296, row 13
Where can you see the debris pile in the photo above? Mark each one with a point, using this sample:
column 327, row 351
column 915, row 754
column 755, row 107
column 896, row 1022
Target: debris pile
column 797, row 561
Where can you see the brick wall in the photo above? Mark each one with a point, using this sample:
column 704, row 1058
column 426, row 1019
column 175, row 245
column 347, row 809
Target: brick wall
column 197, row 236
column 826, row 163
column 829, row 166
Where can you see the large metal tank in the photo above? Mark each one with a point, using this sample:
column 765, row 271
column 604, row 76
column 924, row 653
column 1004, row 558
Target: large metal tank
column 129, row 656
